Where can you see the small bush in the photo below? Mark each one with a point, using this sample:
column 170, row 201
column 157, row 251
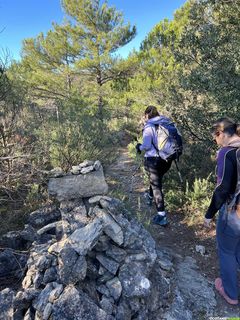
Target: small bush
column 198, row 199
column 175, row 199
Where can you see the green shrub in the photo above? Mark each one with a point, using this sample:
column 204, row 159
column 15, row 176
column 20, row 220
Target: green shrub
column 198, row 198
column 174, row 199
column 36, row 196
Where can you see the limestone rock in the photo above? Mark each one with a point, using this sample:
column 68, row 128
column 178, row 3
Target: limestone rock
column 74, row 304
column 86, row 163
column 6, row 304
column 87, row 170
column 44, row 216
column 134, row 280
column 78, row 186
column 192, row 289
column 110, row 226
column 72, row 267
column 56, row 172
column 115, row 288
column 111, row 265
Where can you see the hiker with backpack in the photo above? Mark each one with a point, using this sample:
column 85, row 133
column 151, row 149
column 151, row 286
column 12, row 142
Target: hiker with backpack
column 226, row 199
column 162, row 144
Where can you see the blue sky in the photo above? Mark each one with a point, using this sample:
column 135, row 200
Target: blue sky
column 20, row 19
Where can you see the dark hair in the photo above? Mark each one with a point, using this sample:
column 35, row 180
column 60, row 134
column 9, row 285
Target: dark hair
column 152, row 112
column 226, row 125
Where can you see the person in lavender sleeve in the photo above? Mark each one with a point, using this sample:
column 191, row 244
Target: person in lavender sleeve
column 227, row 135
column 154, row 165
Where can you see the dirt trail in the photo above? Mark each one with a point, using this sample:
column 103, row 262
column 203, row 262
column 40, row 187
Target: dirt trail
column 123, row 177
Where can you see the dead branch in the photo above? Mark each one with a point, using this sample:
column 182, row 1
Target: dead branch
column 15, row 157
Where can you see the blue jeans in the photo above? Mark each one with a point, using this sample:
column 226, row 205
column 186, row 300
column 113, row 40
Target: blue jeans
column 228, row 243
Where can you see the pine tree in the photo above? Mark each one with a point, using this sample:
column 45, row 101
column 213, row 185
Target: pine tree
column 80, row 55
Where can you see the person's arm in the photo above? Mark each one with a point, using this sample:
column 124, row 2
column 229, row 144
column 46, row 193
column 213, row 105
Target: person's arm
column 147, row 139
column 223, row 190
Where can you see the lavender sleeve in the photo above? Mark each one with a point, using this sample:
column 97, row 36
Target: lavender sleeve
column 147, row 139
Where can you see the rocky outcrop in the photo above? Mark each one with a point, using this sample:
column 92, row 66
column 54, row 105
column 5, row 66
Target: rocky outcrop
column 93, row 260
column 193, row 296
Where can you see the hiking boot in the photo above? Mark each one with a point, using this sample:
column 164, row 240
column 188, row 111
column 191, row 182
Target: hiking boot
column 160, row 220
column 220, row 289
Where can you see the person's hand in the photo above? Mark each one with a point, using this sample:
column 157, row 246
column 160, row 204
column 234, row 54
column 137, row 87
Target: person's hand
column 138, row 148
column 207, row 223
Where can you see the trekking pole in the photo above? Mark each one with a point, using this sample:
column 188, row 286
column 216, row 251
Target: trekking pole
column 136, row 169
column 132, row 177
column 179, row 173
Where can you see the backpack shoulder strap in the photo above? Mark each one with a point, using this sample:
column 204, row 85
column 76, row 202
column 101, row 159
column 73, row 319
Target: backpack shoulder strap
column 237, row 190
column 154, row 131
column 238, row 170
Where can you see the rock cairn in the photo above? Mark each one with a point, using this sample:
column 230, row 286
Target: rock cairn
column 90, row 260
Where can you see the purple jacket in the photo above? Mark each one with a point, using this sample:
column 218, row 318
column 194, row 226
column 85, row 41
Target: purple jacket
column 226, row 178
column 150, row 136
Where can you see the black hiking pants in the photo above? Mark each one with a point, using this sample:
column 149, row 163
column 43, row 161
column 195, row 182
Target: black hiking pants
column 156, row 167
